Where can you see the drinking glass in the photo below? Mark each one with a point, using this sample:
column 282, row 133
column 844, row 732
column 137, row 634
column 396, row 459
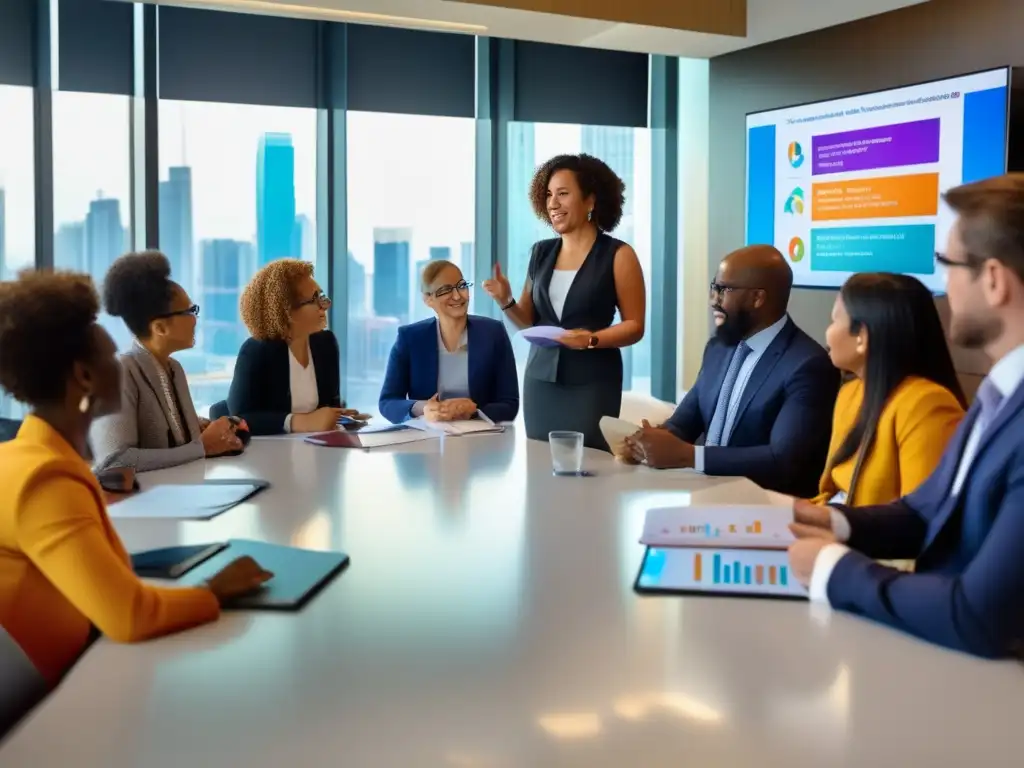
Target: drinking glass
column 566, row 452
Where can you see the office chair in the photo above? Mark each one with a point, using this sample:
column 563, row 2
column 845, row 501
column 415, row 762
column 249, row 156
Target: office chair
column 8, row 429
column 21, row 685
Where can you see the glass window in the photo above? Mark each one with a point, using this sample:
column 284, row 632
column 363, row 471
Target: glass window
column 92, row 187
column 628, row 152
column 411, row 199
column 17, row 194
column 237, row 190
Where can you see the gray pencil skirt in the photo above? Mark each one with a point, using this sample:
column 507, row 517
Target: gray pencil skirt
column 549, row 406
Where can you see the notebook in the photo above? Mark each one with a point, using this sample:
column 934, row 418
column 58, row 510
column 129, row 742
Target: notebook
column 299, row 574
column 194, row 501
column 482, row 425
column 713, row 571
column 373, row 439
column 744, row 526
column 172, row 562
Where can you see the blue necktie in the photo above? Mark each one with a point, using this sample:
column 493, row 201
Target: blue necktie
column 990, row 398
column 714, row 436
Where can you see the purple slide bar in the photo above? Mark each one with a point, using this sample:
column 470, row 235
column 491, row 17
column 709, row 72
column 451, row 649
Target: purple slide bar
column 884, row 146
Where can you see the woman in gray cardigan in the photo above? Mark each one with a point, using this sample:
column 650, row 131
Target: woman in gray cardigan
column 158, row 426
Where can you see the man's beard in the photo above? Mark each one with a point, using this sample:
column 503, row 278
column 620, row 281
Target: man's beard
column 973, row 333
column 735, row 327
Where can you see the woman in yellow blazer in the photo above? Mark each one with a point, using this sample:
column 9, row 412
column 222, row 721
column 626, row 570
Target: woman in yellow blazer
column 63, row 569
column 892, row 420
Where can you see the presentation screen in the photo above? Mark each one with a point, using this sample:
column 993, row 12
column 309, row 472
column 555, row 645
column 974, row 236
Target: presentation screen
column 855, row 184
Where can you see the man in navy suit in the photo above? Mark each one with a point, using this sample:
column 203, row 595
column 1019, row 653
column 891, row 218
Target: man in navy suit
column 764, row 396
column 965, row 523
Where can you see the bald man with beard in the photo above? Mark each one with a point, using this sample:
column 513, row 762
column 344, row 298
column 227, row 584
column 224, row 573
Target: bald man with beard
column 762, row 404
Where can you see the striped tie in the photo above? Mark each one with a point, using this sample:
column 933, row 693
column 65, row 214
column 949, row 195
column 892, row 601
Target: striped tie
column 714, row 436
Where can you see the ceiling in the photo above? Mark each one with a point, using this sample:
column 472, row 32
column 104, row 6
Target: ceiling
column 767, row 20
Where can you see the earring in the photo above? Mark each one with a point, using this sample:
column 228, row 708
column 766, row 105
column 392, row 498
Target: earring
column 590, row 215
column 84, row 404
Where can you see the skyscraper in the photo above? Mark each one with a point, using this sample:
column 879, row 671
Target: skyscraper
column 176, row 225
column 3, row 234
column 356, row 287
column 69, row 246
column 466, row 255
column 227, row 265
column 419, row 310
column 524, row 229
column 391, row 272
column 275, row 197
column 104, row 236
column 304, row 238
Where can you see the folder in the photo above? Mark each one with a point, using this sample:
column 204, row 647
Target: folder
column 299, row 574
column 194, row 501
column 172, row 562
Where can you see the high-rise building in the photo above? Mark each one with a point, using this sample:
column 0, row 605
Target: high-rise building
column 176, row 236
column 227, row 265
column 3, row 235
column 69, row 246
column 275, row 197
column 616, row 147
column 104, row 236
column 304, row 238
column 419, row 310
column 356, row 287
column 391, row 272
column 524, row 228
column 466, row 256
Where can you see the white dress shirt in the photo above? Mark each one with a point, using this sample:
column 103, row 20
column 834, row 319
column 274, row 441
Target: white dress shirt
column 558, row 289
column 1007, row 374
column 305, row 395
column 758, row 344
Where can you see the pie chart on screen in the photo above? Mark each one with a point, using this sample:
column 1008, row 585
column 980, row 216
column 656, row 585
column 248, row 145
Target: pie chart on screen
column 796, row 154
column 796, row 249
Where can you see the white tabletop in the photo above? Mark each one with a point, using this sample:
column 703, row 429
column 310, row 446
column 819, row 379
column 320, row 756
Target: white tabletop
column 488, row 619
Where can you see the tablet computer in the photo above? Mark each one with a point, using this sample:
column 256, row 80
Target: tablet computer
column 711, row 571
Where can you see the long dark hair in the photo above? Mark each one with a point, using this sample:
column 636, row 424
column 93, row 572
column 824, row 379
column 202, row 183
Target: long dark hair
column 905, row 338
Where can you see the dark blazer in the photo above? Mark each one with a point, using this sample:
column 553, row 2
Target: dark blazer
column 967, row 591
column 413, row 368
column 261, row 390
column 782, row 430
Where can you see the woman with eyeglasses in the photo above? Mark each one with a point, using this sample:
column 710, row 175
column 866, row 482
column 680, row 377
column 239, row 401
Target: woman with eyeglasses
column 450, row 367
column 903, row 402
column 287, row 376
column 157, row 426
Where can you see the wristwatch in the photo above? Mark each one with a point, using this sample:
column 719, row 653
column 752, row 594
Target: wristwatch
column 592, row 344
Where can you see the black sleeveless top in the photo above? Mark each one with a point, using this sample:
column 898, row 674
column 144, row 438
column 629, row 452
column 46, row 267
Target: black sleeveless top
column 590, row 303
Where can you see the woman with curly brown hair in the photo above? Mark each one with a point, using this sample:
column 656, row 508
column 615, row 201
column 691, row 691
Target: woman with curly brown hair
column 288, row 375
column 576, row 281
column 63, row 568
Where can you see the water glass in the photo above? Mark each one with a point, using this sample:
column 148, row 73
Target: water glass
column 566, row 452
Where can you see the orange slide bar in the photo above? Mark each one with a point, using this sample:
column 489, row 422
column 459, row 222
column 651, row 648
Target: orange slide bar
column 876, row 198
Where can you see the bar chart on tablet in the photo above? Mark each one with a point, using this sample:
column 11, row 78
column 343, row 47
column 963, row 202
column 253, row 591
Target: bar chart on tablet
column 747, row 571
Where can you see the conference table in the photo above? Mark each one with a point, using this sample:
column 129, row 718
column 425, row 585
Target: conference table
column 488, row 619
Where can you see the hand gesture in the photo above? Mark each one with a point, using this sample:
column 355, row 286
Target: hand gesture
column 576, row 339
column 437, row 409
column 237, row 578
column 320, row 420
column 811, row 521
column 498, row 288
column 657, row 447
column 461, row 408
column 219, row 437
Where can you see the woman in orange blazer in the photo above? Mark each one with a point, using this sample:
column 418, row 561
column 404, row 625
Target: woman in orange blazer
column 63, row 569
column 892, row 420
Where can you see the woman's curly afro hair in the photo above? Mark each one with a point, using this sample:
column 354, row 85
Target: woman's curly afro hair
column 271, row 295
column 594, row 177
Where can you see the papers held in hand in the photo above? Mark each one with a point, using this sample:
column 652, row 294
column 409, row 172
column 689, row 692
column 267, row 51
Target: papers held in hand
column 543, row 335
column 615, row 431
column 740, row 526
column 196, row 501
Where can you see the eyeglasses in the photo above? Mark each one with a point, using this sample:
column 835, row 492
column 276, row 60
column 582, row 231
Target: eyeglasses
column 720, row 289
column 319, row 298
column 461, row 286
column 945, row 261
column 193, row 310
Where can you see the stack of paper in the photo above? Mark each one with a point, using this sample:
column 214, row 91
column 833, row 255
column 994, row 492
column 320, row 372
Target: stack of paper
column 202, row 501
column 457, row 428
column 543, row 335
column 745, row 526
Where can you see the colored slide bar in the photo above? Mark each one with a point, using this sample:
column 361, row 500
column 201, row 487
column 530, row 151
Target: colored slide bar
column 908, row 248
column 876, row 198
column 882, row 146
column 737, row 573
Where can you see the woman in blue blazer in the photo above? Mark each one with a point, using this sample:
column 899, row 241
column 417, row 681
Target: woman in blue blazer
column 450, row 367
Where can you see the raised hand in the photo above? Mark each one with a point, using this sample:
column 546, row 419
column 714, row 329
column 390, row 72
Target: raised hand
column 497, row 287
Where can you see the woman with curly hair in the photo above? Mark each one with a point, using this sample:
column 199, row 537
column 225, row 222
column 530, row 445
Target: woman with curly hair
column 63, row 568
column 157, row 425
column 288, row 375
column 576, row 281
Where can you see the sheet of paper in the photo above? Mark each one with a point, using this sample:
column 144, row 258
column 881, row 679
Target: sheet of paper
column 543, row 335
column 751, row 526
column 455, row 428
column 399, row 437
column 181, row 502
column 615, row 431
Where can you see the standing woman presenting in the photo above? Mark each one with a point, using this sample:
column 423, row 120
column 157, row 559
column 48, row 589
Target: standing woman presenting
column 576, row 281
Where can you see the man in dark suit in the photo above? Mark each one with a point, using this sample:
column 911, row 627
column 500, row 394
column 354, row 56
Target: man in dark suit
column 965, row 523
column 762, row 403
